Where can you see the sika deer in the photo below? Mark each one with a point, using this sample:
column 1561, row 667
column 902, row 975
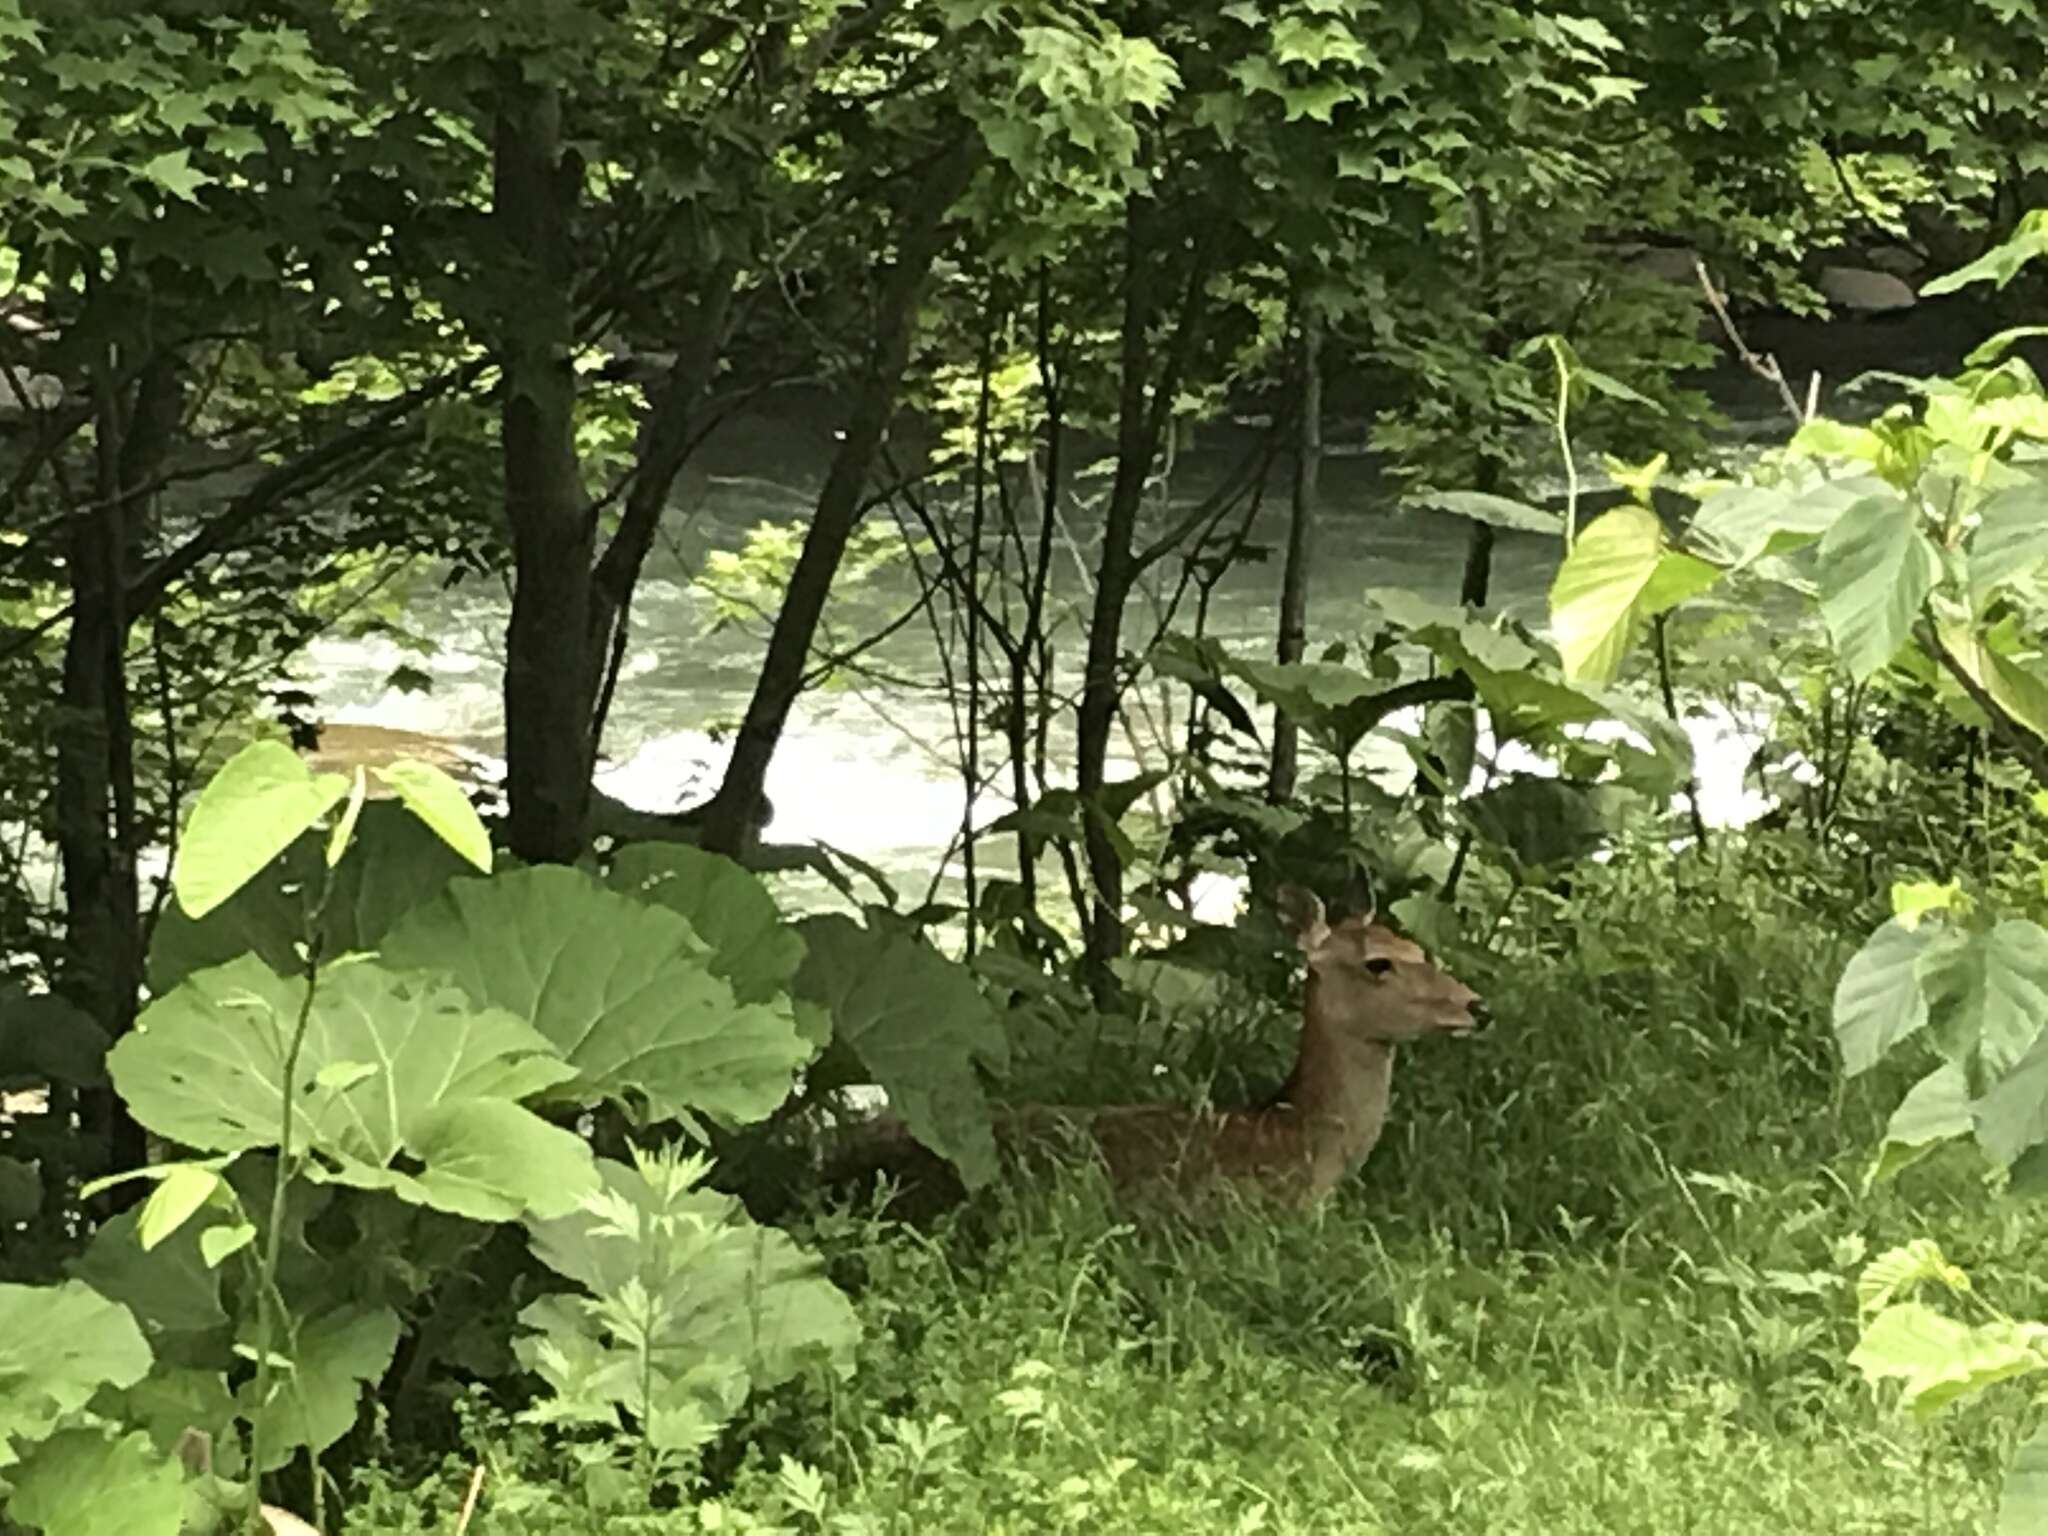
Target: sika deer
column 1369, row 989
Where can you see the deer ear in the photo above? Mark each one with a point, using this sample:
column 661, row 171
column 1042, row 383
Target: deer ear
column 1360, row 901
column 1302, row 910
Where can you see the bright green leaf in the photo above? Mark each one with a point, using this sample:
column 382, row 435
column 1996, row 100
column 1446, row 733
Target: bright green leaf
column 251, row 811
column 1594, row 600
column 439, row 802
column 1878, row 1001
column 176, row 1198
column 1876, row 569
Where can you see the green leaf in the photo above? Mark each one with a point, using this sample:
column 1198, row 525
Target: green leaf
column 624, row 989
column 1935, row 1111
column 919, row 1025
column 394, row 865
column 2010, row 541
column 335, row 1356
column 2002, row 263
column 206, row 1068
column 169, row 1290
column 1988, row 993
column 217, row 1244
column 175, row 173
column 1594, row 600
column 439, row 802
column 2014, row 689
column 59, row 1344
column 1876, row 569
column 1898, row 1272
column 1878, row 1001
column 86, row 1483
column 1544, row 823
column 2012, row 1114
column 484, row 1159
column 1938, row 1360
column 2023, row 1505
column 1496, row 511
column 176, row 1199
column 254, row 809
column 727, row 906
column 1742, row 524
column 688, row 1305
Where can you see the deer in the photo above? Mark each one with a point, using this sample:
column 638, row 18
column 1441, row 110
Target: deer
column 1369, row 990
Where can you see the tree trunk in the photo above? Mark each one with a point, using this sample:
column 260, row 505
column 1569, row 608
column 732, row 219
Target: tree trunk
column 733, row 816
column 1308, row 464
column 1144, row 409
column 97, row 836
column 550, row 662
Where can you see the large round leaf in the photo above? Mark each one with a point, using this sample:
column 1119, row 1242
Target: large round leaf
column 919, row 1025
column 1878, row 1001
column 1987, row 995
column 59, row 1344
column 624, row 989
column 386, row 1056
column 85, row 1482
column 726, row 906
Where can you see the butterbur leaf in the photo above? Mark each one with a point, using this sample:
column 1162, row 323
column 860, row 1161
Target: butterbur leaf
column 59, row 1344
column 1937, row 1359
column 918, row 1024
column 250, row 812
column 85, row 1482
column 624, row 989
column 438, row 801
column 206, row 1068
column 752, row 947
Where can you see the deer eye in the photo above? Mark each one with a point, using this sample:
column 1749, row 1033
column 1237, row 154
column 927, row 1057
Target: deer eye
column 1379, row 965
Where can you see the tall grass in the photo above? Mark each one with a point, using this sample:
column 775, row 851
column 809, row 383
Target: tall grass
column 1597, row 1278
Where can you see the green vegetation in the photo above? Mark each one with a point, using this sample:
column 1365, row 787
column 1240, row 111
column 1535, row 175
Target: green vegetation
column 415, row 1142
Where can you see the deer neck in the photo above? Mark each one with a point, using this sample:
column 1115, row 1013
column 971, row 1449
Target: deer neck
column 1340, row 1088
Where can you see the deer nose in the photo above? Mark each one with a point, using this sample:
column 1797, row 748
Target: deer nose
column 1482, row 1016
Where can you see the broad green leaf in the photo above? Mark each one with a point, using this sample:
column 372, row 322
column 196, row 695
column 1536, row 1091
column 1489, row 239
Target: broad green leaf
column 623, row 988
column 259, row 803
column 2012, row 1113
column 1594, row 600
column 439, row 802
column 1496, row 511
column 484, row 1159
column 1876, row 568
column 1987, row 994
column 687, row 1300
column 170, row 1290
column 1544, row 823
column 1937, row 1359
column 2010, row 541
column 206, row 1068
column 84, row 1482
column 394, row 865
column 175, row 1200
column 335, row 1356
column 1914, row 899
column 1743, row 524
column 1935, row 1111
column 2023, row 1505
column 919, row 1025
column 59, row 1344
column 1999, row 265
column 1878, row 1001
column 2012, row 687
column 727, row 906
column 1677, row 578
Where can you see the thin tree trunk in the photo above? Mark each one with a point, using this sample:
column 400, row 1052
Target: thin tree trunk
column 97, row 835
column 1308, row 463
column 550, row 665
column 733, row 817
column 1144, row 409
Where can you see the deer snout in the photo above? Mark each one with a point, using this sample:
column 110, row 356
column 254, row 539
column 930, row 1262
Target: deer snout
column 1480, row 1015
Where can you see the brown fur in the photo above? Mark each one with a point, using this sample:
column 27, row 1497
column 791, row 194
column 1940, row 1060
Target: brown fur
column 1368, row 990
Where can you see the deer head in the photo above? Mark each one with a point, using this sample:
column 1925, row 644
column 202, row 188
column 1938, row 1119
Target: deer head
column 1366, row 982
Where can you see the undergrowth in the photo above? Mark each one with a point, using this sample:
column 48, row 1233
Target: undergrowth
column 1597, row 1278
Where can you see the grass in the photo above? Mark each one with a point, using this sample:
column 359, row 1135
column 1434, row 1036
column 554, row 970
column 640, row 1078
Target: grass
column 1598, row 1278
